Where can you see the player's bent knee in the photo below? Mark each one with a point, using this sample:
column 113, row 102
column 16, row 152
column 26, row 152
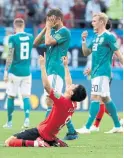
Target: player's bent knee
column 7, row 141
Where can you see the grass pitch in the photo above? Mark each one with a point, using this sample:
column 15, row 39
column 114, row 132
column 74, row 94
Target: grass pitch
column 94, row 145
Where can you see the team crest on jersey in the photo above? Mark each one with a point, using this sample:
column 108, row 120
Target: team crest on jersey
column 57, row 95
column 101, row 40
column 58, row 37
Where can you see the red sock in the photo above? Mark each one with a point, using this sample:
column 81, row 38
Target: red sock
column 29, row 143
column 15, row 143
column 99, row 115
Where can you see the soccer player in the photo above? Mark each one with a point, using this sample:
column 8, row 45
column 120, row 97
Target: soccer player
column 57, row 39
column 102, row 109
column 102, row 48
column 44, row 135
column 17, row 70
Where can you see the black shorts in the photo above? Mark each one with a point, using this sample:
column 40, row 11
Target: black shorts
column 30, row 134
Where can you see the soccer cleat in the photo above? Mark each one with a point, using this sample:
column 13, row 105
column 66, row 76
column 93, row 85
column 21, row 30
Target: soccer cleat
column 71, row 136
column 115, row 130
column 83, row 130
column 59, row 143
column 8, row 125
column 94, row 129
column 39, row 142
column 26, row 123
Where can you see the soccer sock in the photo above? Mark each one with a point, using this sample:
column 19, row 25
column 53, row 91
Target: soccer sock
column 16, row 143
column 112, row 110
column 106, row 111
column 29, row 143
column 27, row 106
column 21, row 143
column 99, row 115
column 94, row 108
column 48, row 111
column 10, row 108
column 70, row 127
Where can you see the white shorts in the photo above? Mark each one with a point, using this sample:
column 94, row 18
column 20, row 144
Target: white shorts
column 56, row 82
column 16, row 83
column 100, row 86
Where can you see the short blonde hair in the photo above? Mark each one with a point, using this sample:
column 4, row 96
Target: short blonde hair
column 19, row 22
column 103, row 17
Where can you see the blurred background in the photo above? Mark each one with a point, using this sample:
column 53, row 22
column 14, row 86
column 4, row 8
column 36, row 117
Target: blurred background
column 77, row 17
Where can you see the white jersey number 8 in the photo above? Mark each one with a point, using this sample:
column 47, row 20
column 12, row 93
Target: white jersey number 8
column 24, row 50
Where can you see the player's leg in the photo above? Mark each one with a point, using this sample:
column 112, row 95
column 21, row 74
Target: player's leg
column 110, row 106
column 98, row 119
column 25, row 138
column 28, row 138
column 26, row 92
column 12, row 89
column 93, row 110
column 94, row 105
column 113, row 113
column 120, row 119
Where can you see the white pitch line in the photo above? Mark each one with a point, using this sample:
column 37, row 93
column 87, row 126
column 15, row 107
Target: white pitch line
column 77, row 146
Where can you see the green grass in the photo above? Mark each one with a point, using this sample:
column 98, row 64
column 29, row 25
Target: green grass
column 95, row 145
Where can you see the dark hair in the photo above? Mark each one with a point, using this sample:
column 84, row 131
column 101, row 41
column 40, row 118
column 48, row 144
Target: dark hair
column 109, row 25
column 57, row 12
column 19, row 22
column 79, row 93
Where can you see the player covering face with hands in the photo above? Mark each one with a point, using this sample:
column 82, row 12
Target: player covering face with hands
column 56, row 38
column 44, row 135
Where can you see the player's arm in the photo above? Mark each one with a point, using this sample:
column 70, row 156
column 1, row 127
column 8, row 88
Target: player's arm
column 119, row 56
column 44, row 77
column 40, row 38
column 68, row 79
column 49, row 40
column 9, row 59
column 86, row 51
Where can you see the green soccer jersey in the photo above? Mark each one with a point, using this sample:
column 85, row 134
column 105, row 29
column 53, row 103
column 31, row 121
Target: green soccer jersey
column 22, row 43
column 103, row 47
column 54, row 54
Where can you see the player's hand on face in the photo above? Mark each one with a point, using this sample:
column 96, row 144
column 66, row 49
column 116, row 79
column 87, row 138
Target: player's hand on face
column 50, row 22
column 84, row 35
column 87, row 72
column 42, row 60
column 5, row 76
column 65, row 60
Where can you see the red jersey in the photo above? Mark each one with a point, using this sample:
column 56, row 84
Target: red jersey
column 61, row 113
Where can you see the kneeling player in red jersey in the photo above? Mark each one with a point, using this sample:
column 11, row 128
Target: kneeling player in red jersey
column 44, row 135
